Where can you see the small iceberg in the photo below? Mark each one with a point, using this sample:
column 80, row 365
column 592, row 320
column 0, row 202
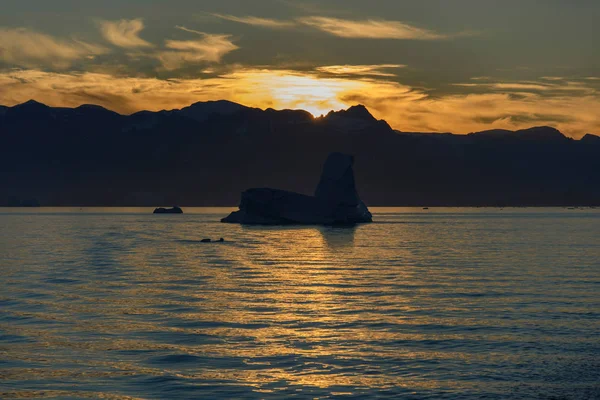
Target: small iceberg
column 173, row 210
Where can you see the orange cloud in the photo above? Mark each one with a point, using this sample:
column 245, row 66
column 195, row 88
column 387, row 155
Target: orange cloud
column 404, row 107
column 124, row 33
column 531, row 86
column 362, row 70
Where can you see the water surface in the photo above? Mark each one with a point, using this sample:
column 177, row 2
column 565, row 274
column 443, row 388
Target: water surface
column 422, row 304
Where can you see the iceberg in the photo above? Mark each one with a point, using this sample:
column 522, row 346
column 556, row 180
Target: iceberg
column 336, row 201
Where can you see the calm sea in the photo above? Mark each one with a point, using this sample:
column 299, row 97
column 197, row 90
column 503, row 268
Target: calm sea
column 421, row 304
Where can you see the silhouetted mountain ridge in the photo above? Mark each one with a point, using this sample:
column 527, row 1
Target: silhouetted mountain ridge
column 202, row 110
column 543, row 133
column 207, row 153
column 589, row 138
column 355, row 112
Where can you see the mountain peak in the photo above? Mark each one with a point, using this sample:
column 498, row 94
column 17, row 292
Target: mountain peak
column 200, row 111
column 358, row 111
column 31, row 110
column 32, row 103
column 222, row 102
column 536, row 133
column 589, row 138
column 91, row 107
column 214, row 104
column 541, row 132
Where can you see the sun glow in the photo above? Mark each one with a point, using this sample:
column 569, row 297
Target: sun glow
column 286, row 89
column 571, row 108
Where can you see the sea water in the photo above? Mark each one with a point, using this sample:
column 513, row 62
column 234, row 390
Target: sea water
column 421, row 304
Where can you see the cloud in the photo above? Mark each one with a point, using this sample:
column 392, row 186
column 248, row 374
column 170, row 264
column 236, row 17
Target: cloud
column 124, row 33
column 183, row 28
column 520, row 86
column 574, row 113
column 256, row 87
column 210, row 48
column 25, row 48
column 404, row 107
column 358, row 29
column 361, row 70
column 554, row 85
column 257, row 21
column 370, row 29
column 174, row 54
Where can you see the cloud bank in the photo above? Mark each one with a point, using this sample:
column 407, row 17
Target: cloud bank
column 26, row 48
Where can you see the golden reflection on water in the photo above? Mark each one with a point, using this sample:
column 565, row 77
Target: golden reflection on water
column 411, row 305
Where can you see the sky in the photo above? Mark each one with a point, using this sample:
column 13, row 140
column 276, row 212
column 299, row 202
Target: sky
column 424, row 65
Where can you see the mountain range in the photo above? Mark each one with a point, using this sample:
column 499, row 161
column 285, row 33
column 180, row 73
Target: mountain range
column 208, row 153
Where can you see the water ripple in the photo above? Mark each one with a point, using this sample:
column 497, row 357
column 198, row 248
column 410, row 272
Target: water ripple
column 449, row 304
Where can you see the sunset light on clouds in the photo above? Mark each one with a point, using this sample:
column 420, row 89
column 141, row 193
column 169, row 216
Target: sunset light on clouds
column 299, row 199
column 417, row 71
